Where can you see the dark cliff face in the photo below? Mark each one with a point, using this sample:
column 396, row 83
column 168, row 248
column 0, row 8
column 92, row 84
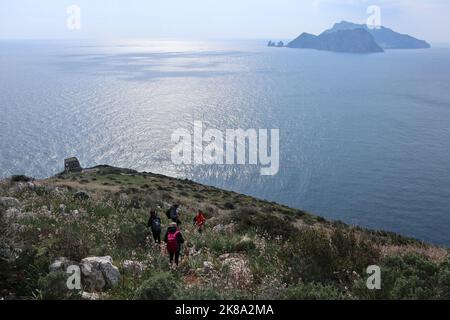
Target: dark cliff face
column 305, row 40
column 386, row 38
column 351, row 41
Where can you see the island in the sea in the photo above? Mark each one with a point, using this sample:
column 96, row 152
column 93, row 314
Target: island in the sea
column 357, row 38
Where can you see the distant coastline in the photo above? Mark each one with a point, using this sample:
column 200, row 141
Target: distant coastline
column 354, row 38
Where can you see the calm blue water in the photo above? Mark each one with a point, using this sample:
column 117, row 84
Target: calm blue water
column 364, row 138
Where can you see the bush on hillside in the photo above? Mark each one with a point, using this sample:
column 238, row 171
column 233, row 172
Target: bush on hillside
column 312, row 291
column 69, row 243
column 352, row 253
column 310, row 257
column 160, row 286
column 410, row 277
column 198, row 293
column 228, row 206
column 315, row 256
column 248, row 219
column 53, row 286
column 21, row 178
column 131, row 235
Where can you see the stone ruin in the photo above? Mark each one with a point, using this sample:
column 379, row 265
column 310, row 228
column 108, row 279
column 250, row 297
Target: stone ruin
column 72, row 165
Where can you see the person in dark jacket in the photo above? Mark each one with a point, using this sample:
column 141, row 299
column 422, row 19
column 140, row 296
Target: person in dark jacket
column 174, row 214
column 174, row 240
column 154, row 222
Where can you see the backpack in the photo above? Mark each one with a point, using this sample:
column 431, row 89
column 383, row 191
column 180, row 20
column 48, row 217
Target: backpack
column 168, row 213
column 156, row 225
column 173, row 214
column 172, row 242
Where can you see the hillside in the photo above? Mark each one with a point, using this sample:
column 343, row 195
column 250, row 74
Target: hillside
column 351, row 41
column 357, row 38
column 386, row 38
column 251, row 249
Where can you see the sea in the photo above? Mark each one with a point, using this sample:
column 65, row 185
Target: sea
column 363, row 139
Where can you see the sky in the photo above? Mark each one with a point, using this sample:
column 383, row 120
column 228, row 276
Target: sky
column 214, row 19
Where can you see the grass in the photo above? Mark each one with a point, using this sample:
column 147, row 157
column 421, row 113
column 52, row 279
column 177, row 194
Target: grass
column 290, row 253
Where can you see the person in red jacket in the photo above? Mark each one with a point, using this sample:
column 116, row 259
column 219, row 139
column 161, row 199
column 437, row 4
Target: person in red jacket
column 200, row 221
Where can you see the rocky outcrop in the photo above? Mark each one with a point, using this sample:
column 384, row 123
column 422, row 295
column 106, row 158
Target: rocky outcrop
column 90, row 296
column 8, row 203
column 239, row 274
column 25, row 186
column 135, row 268
column 227, row 228
column 61, row 264
column 208, row 267
column 99, row 273
column 10, row 207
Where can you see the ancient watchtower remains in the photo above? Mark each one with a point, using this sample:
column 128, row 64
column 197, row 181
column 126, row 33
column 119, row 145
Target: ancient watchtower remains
column 72, row 165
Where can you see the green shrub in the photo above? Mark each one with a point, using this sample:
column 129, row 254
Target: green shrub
column 310, row 257
column 381, row 237
column 246, row 245
column 70, row 243
column 267, row 264
column 53, row 287
column 102, row 211
column 131, row 235
column 229, row 206
column 352, row 253
column 312, row 291
column 313, row 255
column 444, row 280
column 21, row 178
column 136, row 202
column 198, row 293
column 160, row 286
column 223, row 243
column 248, row 219
column 410, row 277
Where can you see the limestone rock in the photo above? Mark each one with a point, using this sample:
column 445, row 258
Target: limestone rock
column 136, row 268
column 89, row 296
column 8, row 202
column 221, row 228
column 99, row 273
column 13, row 213
column 239, row 274
column 208, row 267
column 61, row 264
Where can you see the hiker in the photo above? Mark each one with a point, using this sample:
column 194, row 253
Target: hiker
column 154, row 222
column 174, row 239
column 199, row 221
column 174, row 214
